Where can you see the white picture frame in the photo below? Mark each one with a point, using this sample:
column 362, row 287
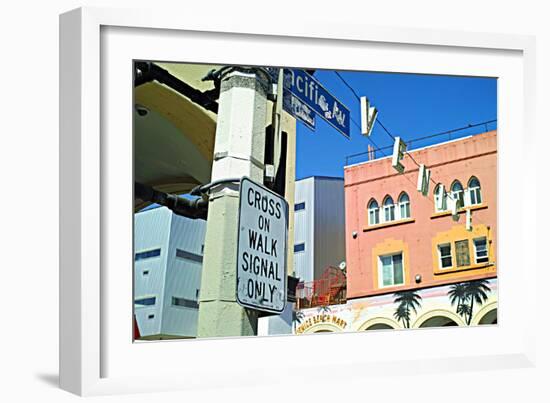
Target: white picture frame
column 97, row 355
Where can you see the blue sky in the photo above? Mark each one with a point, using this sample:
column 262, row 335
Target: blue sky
column 409, row 105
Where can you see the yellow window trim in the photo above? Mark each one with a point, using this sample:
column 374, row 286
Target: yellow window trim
column 390, row 246
column 460, row 233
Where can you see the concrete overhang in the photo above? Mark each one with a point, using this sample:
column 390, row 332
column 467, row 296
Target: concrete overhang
column 173, row 136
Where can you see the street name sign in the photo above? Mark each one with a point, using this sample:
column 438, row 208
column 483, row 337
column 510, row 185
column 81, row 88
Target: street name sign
column 299, row 110
column 261, row 248
column 310, row 91
column 293, row 105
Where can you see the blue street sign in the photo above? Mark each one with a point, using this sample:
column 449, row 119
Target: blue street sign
column 293, row 105
column 308, row 90
column 298, row 109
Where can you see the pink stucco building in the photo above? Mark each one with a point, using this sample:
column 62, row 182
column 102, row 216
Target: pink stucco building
column 398, row 239
column 410, row 263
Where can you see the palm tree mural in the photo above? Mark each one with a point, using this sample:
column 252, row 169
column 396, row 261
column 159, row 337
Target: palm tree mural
column 407, row 300
column 297, row 318
column 324, row 309
column 457, row 295
column 464, row 311
column 401, row 315
column 466, row 295
column 477, row 293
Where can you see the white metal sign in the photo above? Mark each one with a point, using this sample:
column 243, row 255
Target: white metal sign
column 368, row 116
column 262, row 248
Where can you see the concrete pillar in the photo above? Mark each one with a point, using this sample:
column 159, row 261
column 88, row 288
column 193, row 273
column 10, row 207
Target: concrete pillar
column 288, row 125
column 238, row 151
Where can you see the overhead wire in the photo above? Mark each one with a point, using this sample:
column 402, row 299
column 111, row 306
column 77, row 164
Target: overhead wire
column 445, row 195
column 377, row 120
column 376, row 147
column 392, row 137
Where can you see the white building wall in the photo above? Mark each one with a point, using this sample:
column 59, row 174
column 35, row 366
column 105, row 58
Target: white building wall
column 277, row 324
column 304, row 229
column 168, row 275
column 320, row 226
column 151, row 232
column 183, row 278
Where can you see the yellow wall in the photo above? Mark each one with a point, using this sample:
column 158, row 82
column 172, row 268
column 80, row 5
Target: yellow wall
column 388, row 247
column 457, row 233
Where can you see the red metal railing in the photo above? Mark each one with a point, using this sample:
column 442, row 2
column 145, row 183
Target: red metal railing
column 330, row 289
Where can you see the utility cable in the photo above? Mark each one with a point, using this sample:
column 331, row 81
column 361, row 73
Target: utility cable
column 393, row 137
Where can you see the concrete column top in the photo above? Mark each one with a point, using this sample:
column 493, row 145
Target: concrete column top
column 245, row 77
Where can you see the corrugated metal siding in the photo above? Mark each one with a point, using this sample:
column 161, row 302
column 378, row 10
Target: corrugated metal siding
column 151, row 231
column 183, row 277
column 329, row 224
column 303, row 229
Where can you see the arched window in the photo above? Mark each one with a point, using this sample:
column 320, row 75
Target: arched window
column 389, row 209
column 374, row 213
column 404, row 206
column 457, row 192
column 439, row 198
column 474, row 191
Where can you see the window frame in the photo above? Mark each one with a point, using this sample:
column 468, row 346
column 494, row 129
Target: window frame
column 186, row 303
column 467, row 242
column 149, row 297
column 458, row 194
column 444, row 197
column 373, row 210
column 474, row 189
column 476, row 258
column 388, row 208
column 441, row 257
column 147, row 254
column 187, row 256
column 406, row 204
column 381, row 270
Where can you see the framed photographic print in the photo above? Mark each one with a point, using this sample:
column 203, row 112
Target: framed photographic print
column 228, row 194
